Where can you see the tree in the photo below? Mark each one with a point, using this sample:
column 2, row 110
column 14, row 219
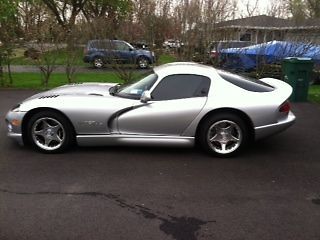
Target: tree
column 8, row 29
column 313, row 7
column 65, row 11
column 112, row 9
column 298, row 9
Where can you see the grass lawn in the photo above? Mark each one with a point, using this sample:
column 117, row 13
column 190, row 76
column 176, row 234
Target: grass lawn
column 33, row 80
column 59, row 57
column 314, row 93
column 166, row 58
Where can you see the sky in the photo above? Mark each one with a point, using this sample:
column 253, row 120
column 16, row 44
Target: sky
column 262, row 5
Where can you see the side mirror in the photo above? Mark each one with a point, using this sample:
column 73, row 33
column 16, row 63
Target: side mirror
column 145, row 97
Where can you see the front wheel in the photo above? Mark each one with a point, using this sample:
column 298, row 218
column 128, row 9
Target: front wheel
column 223, row 135
column 98, row 62
column 143, row 62
column 50, row 132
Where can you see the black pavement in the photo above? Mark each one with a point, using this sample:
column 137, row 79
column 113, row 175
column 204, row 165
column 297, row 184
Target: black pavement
column 271, row 191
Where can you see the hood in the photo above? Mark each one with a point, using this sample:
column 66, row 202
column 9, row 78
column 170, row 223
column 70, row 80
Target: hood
column 98, row 89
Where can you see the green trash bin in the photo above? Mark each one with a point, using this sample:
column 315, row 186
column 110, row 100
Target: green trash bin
column 297, row 72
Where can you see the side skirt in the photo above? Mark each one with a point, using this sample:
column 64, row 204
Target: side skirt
column 134, row 140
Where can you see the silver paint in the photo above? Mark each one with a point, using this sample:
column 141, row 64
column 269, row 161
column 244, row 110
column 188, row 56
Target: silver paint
column 102, row 119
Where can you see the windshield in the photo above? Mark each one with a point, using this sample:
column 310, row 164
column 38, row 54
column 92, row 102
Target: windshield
column 132, row 47
column 135, row 90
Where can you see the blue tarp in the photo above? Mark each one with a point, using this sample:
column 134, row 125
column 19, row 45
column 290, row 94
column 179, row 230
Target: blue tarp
column 247, row 58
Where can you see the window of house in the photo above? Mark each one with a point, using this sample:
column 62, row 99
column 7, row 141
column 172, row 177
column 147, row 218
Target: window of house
column 245, row 37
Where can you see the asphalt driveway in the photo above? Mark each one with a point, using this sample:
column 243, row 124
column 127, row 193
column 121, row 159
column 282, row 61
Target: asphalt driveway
column 271, row 191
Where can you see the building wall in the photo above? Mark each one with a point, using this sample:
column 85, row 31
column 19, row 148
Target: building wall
column 262, row 35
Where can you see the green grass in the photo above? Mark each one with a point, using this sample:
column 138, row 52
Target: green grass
column 58, row 56
column 165, row 58
column 33, row 80
column 314, row 93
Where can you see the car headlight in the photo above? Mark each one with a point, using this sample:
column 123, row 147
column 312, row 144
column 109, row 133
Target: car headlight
column 16, row 108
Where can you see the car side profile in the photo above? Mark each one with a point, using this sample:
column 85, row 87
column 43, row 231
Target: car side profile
column 101, row 52
column 177, row 104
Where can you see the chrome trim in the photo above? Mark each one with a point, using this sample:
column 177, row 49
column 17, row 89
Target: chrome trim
column 271, row 129
column 17, row 137
column 134, row 140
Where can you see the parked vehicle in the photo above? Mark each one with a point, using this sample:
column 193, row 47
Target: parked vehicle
column 247, row 58
column 215, row 48
column 175, row 104
column 101, row 52
column 140, row 45
column 171, row 43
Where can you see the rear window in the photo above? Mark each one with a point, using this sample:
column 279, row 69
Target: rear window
column 247, row 83
column 100, row 44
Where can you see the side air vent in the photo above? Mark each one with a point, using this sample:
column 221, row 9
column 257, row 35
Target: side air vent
column 95, row 94
column 49, row 96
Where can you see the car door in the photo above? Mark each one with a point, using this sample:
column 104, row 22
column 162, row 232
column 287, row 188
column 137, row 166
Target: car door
column 123, row 52
column 176, row 101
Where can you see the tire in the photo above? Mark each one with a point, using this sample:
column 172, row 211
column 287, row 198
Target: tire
column 98, row 62
column 50, row 132
column 143, row 62
column 223, row 135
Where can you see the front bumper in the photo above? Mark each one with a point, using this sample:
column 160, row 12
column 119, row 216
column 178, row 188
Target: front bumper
column 271, row 129
column 14, row 125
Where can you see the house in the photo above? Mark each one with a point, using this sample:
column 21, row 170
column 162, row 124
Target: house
column 263, row 28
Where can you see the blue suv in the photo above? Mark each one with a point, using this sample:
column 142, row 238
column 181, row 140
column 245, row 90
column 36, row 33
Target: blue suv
column 100, row 52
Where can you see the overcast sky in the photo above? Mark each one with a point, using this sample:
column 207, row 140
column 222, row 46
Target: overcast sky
column 262, row 5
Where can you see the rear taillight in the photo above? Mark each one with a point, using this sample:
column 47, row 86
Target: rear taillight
column 285, row 107
column 214, row 54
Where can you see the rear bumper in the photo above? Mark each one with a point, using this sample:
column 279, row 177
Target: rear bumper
column 271, row 129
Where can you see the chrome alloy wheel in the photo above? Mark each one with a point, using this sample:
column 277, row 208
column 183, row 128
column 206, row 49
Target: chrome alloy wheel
column 224, row 136
column 98, row 62
column 48, row 133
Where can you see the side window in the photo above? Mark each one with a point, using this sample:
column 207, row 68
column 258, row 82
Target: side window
column 121, row 46
column 181, row 86
column 101, row 44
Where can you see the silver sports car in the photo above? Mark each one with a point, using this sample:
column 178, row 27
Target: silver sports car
column 177, row 104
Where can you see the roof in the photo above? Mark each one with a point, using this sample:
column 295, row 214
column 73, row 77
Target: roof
column 268, row 22
column 185, row 68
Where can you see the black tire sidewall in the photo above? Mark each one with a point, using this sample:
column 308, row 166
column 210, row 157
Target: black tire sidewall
column 69, row 135
column 202, row 136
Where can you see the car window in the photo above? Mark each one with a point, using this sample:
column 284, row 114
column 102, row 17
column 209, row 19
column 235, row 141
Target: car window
column 247, row 83
column 135, row 90
column 121, row 46
column 101, row 44
column 181, row 86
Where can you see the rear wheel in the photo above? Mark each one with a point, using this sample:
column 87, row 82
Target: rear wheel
column 223, row 135
column 50, row 132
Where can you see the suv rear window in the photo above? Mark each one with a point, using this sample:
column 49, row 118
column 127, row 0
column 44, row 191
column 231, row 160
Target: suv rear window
column 247, row 83
column 100, row 44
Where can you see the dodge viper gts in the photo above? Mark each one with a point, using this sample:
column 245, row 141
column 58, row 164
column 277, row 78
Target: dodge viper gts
column 177, row 104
